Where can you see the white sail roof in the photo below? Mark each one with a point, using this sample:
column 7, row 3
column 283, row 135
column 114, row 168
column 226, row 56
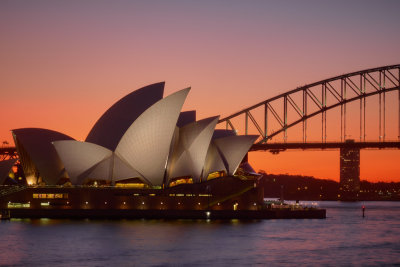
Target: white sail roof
column 113, row 124
column 226, row 152
column 141, row 136
column 214, row 162
column 101, row 171
column 146, row 144
column 80, row 157
column 123, row 170
column 190, row 153
column 37, row 154
column 233, row 149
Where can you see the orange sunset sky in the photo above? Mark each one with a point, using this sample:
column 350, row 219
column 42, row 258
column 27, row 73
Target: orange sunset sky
column 63, row 63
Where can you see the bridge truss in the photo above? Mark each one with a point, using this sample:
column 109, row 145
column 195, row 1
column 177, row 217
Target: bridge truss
column 317, row 98
column 7, row 153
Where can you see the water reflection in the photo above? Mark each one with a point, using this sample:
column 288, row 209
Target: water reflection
column 344, row 238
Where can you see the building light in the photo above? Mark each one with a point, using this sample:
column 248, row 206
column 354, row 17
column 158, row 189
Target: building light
column 142, row 203
column 208, row 214
column 87, row 202
column 179, row 203
column 124, row 202
column 199, row 203
column 105, row 202
column 162, row 203
column 18, row 205
column 218, row 203
column 255, row 204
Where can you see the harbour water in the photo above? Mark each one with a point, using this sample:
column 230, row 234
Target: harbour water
column 344, row 238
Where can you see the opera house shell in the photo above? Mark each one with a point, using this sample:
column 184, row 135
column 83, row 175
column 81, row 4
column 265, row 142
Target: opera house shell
column 143, row 140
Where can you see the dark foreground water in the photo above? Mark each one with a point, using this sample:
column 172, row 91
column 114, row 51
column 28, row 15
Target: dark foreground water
column 344, row 238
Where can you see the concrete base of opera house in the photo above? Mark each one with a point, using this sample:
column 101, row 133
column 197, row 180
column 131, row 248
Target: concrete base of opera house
column 221, row 198
column 168, row 214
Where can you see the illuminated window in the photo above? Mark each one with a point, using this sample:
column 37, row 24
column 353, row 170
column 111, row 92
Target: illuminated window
column 214, row 175
column 50, row 196
column 132, row 185
column 181, row 180
column 18, row 205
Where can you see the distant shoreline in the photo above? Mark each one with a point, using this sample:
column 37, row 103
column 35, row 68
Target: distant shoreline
column 305, row 188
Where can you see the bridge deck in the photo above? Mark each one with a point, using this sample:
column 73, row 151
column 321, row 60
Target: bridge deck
column 294, row 145
column 327, row 145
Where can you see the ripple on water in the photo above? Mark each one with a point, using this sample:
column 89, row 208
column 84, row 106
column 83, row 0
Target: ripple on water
column 344, row 238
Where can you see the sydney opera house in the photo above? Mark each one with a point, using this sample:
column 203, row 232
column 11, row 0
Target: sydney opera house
column 142, row 155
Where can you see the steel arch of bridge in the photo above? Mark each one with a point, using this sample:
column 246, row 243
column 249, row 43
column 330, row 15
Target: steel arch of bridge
column 378, row 80
column 7, row 153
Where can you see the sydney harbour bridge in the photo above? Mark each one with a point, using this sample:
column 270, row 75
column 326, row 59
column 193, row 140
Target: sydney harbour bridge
column 298, row 106
column 368, row 100
column 364, row 99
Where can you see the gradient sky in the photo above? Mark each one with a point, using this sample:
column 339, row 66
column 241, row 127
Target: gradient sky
column 63, row 63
